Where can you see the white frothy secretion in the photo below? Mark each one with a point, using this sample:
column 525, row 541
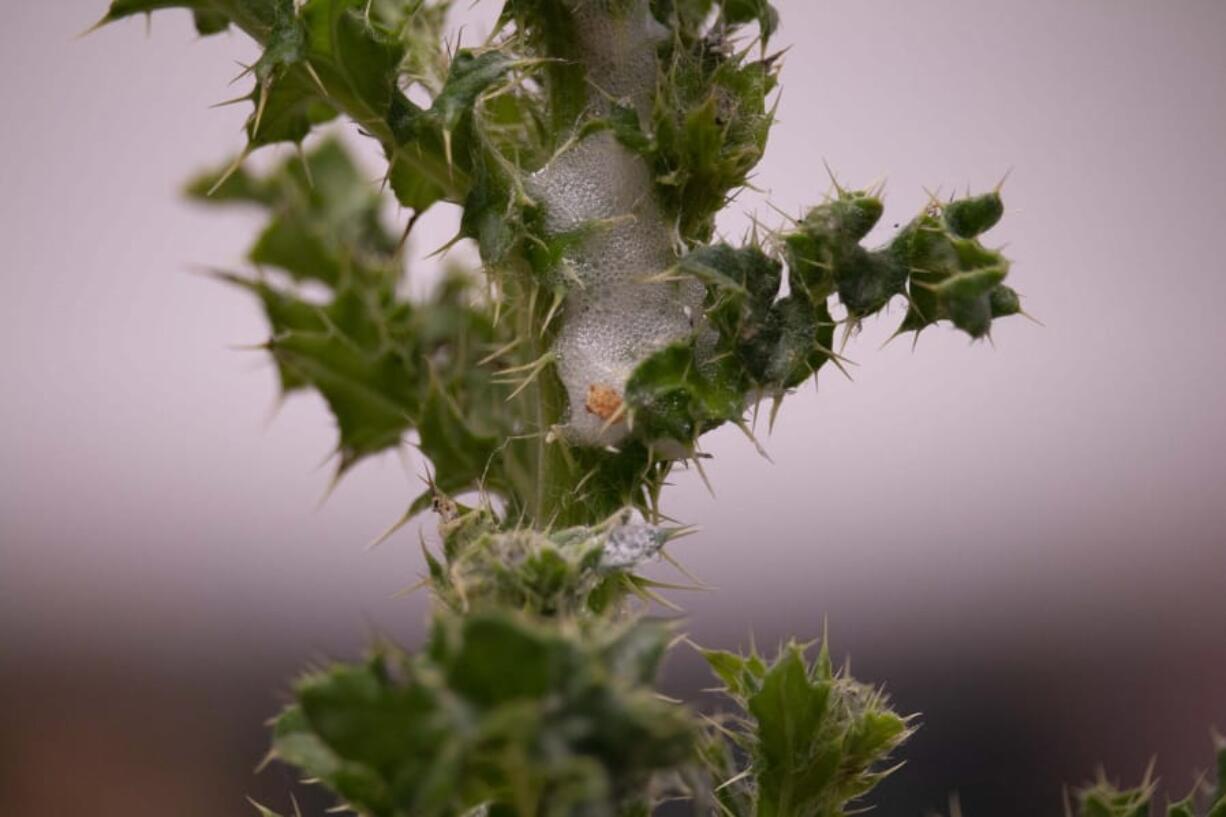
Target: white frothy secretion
column 631, row 541
column 615, row 314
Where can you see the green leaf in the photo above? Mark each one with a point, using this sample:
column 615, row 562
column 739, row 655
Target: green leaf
column 624, row 120
column 373, row 398
column 817, row 740
column 735, row 671
column 414, row 179
column 286, row 313
column 326, row 57
column 548, row 28
column 746, row 11
column 789, row 711
column 287, row 109
column 970, row 217
column 210, row 22
column 503, row 660
column 672, row 397
column 295, row 742
column 356, row 62
column 444, row 131
column 252, row 14
column 710, row 124
column 471, row 74
column 366, row 719
column 325, row 221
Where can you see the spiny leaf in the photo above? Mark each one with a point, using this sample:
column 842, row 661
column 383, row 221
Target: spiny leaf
column 497, row 704
column 364, row 348
column 817, row 740
column 259, row 12
column 286, row 109
column 325, row 58
column 357, row 62
column 672, row 397
column 372, row 398
column 936, row 260
column 710, row 124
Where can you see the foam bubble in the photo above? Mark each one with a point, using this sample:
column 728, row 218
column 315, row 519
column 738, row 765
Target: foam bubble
column 619, row 49
column 615, row 316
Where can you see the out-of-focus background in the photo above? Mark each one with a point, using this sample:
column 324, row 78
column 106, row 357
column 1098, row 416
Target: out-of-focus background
column 1027, row 540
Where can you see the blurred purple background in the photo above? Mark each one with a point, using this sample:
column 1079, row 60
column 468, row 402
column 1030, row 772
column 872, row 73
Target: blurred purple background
column 1027, row 541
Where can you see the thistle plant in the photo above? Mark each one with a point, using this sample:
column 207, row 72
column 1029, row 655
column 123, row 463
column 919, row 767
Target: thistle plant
column 590, row 145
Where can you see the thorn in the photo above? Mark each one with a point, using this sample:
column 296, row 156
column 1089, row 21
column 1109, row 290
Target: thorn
column 268, row 758
column 934, row 204
column 273, row 411
column 681, row 531
column 1031, row 318
column 527, row 366
column 247, row 69
column 850, row 326
column 229, row 171
column 654, row 583
column 614, row 418
column 877, row 190
column 647, row 594
column 106, row 20
column 249, row 347
column 260, row 105
column 404, row 236
column 749, row 433
column 887, row 341
column 391, row 531
column 310, row 69
column 534, row 369
column 335, row 481
column 582, row 482
column 838, row 360
column 734, row 779
column 776, row 402
column 795, row 222
column 833, row 180
column 698, row 583
column 497, row 353
column 236, row 100
column 306, row 166
column 702, row 473
column 1000, row 185
column 456, row 239
column 558, row 297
